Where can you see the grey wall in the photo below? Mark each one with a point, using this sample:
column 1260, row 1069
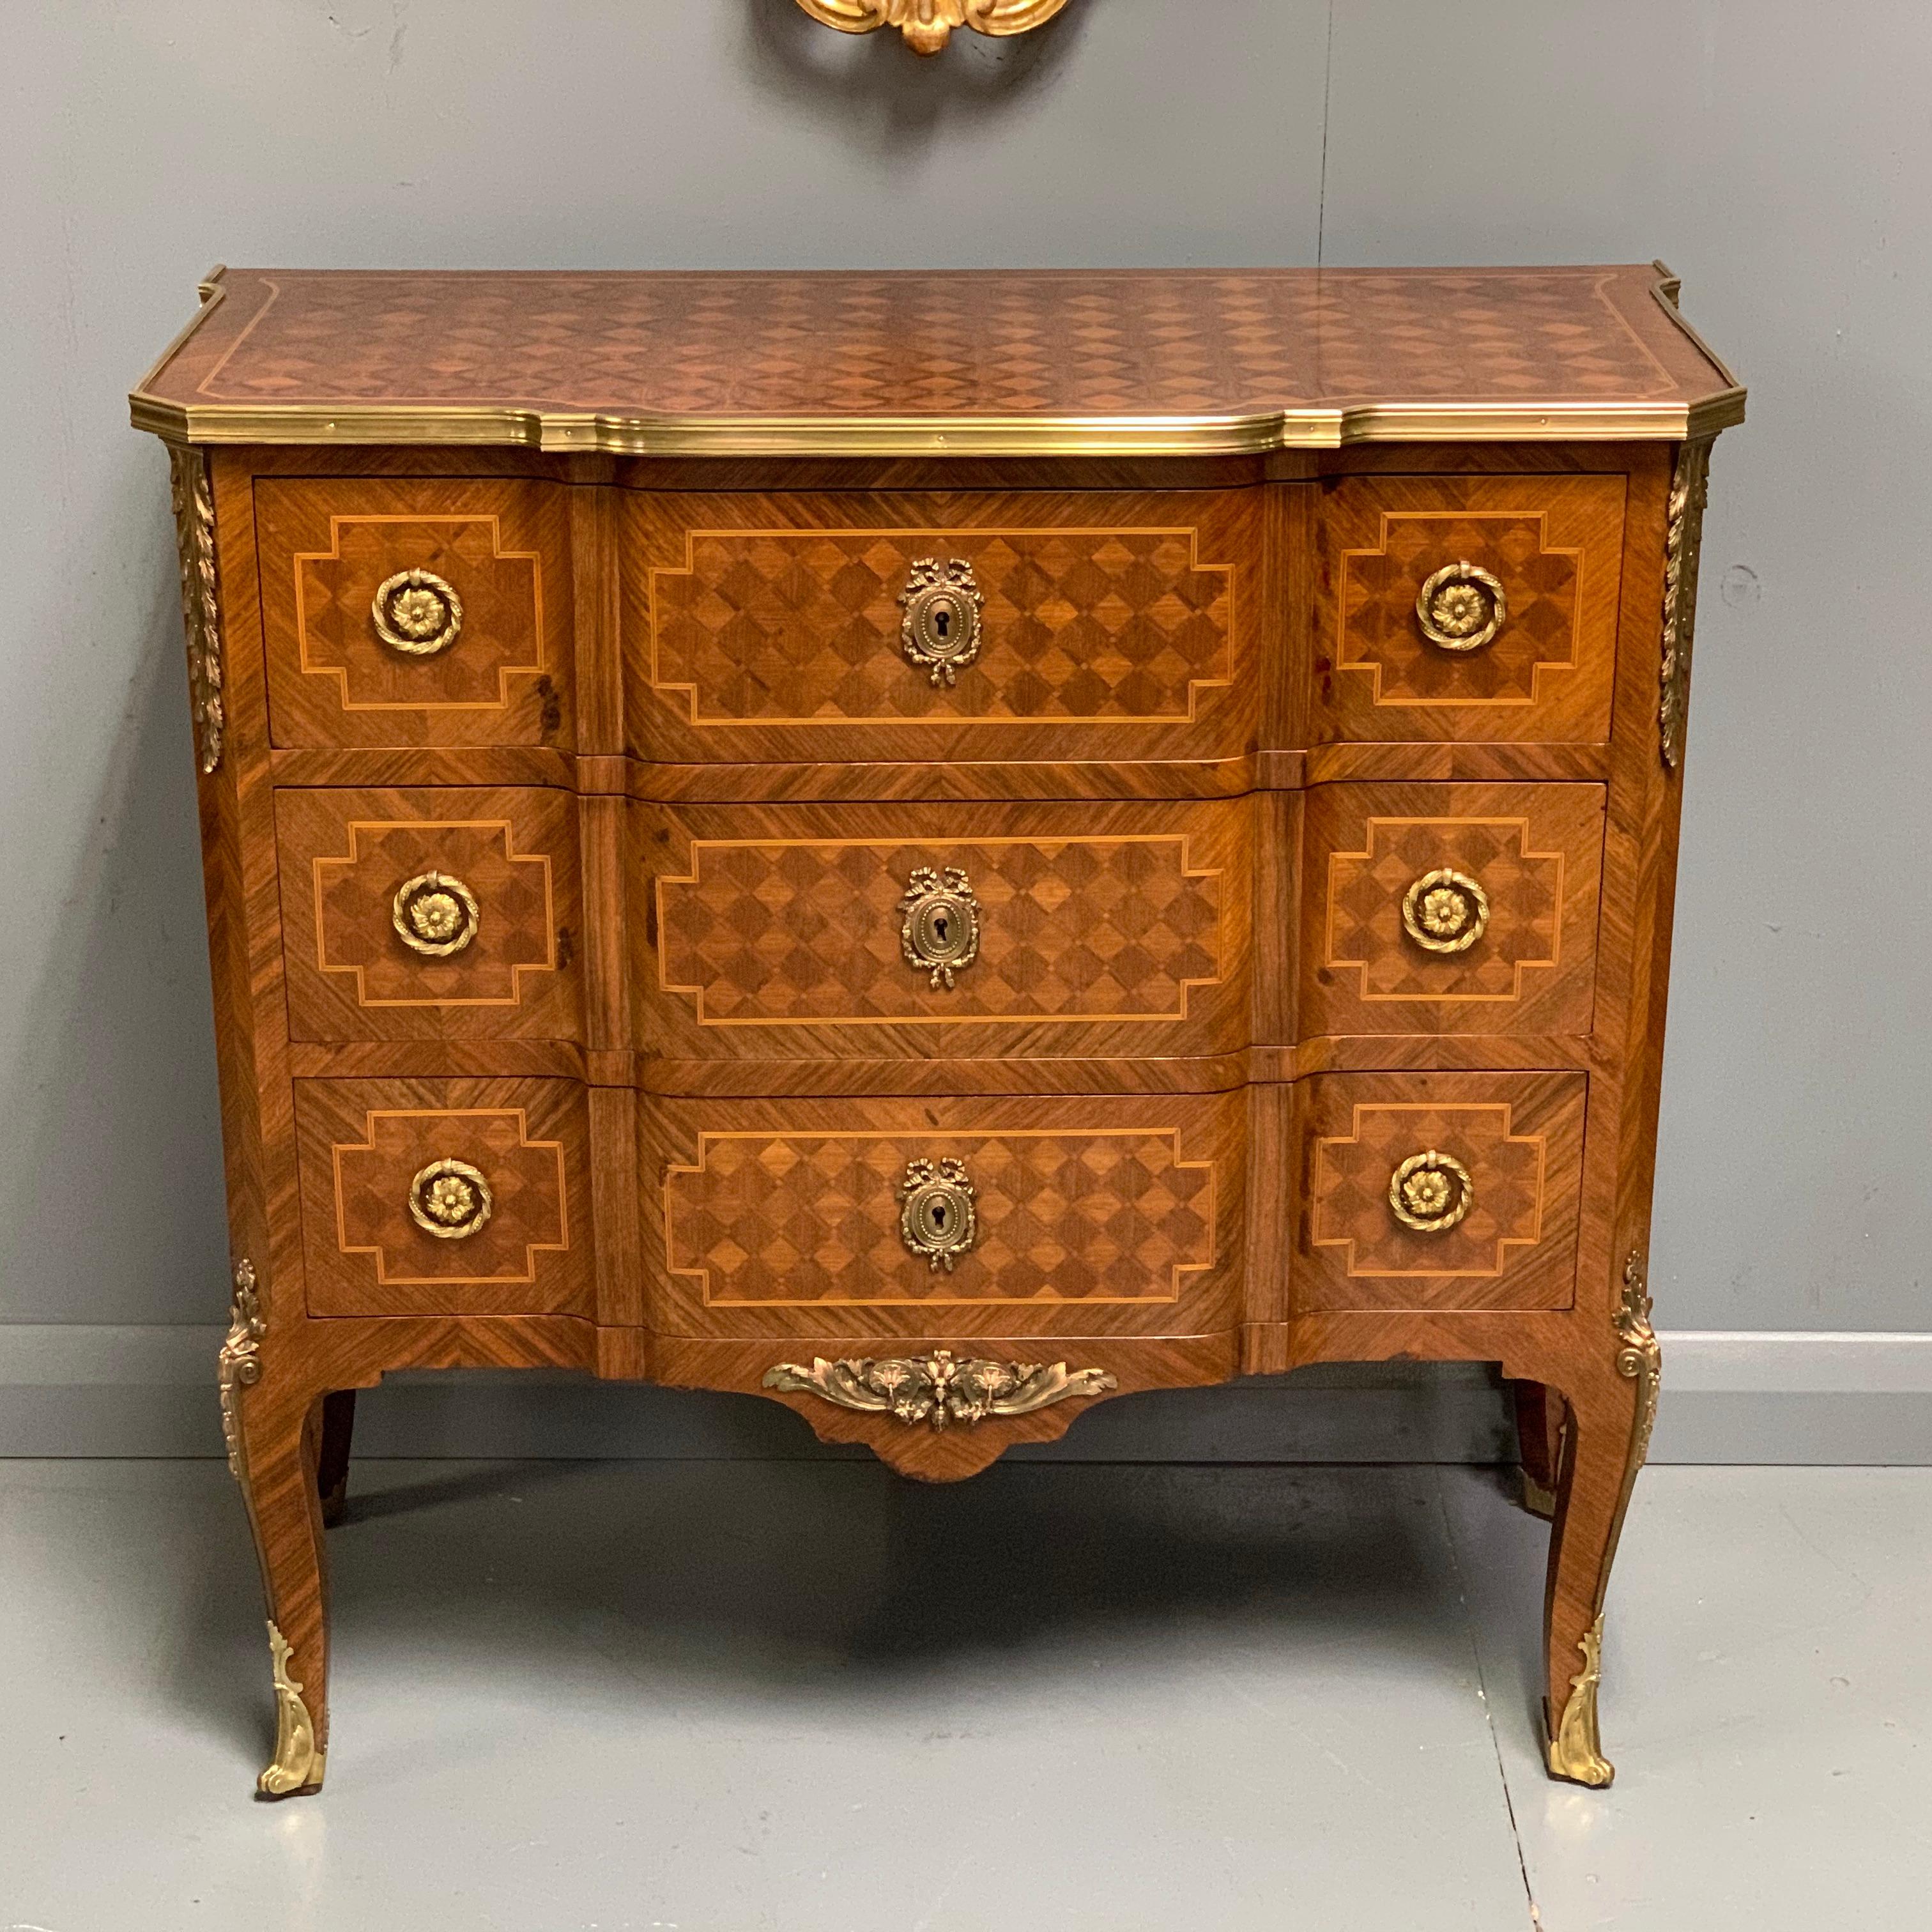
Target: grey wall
column 1784, row 169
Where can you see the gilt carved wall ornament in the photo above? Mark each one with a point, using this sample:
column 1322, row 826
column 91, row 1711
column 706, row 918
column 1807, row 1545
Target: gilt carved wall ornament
column 940, row 1389
column 201, row 615
column 928, row 24
column 240, row 1364
column 1683, row 539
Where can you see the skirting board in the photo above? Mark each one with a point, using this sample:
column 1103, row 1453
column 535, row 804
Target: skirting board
column 1728, row 1397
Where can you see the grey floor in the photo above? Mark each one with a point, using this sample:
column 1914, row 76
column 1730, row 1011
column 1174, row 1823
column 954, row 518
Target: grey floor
column 721, row 1697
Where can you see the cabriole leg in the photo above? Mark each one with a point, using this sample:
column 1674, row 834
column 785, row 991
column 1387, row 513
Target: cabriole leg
column 1539, row 1429
column 1607, row 1436
column 331, row 1473
column 274, row 1428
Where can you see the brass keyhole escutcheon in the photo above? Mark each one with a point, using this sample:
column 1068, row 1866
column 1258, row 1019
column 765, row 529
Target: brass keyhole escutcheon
column 1461, row 608
column 436, row 914
column 940, row 631
column 938, row 1218
column 1431, row 1192
column 450, row 1199
column 417, row 613
column 1445, row 911
column 939, row 928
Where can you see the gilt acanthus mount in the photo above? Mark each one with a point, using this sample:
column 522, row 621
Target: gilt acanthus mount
column 928, row 24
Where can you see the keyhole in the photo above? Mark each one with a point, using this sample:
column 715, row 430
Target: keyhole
column 939, row 928
column 937, row 1213
column 942, row 622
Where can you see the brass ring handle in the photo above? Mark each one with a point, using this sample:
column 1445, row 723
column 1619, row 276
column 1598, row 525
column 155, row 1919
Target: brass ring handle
column 940, row 631
column 436, row 914
column 939, row 932
column 1461, row 608
column 1431, row 1192
column 450, row 1199
column 1445, row 911
column 417, row 613
column 938, row 1219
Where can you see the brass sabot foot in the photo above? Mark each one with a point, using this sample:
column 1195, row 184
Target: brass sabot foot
column 1535, row 1498
column 297, row 1767
column 1576, row 1750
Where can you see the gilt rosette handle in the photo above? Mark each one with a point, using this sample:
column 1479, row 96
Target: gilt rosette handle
column 417, row 613
column 451, row 1200
column 1445, row 911
column 436, row 914
column 1431, row 1192
column 1461, row 608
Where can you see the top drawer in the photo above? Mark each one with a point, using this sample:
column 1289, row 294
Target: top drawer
column 863, row 626
column 423, row 611
column 1469, row 607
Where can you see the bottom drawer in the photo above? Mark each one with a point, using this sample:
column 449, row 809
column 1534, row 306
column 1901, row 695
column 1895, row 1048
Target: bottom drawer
column 1086, row 1216
column 1438, row 1191
column 445, row 1197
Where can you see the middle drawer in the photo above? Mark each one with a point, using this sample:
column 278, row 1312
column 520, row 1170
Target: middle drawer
column 942, row 930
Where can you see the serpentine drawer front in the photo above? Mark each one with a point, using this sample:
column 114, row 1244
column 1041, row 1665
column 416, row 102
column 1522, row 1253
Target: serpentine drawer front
column 1089, row 1216
column 939, row 849
column 931, row 930
column 860, row 625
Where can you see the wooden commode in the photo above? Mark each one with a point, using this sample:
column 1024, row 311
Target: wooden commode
column 940, row 848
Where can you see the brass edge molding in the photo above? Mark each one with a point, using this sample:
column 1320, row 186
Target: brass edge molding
column 938, row 1389
column 1576, row 1749
column 299, row 1761
column 1235, row 435
column 928, row 24
column 201, row 613
column 1689, row 490
column 239, row 1365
